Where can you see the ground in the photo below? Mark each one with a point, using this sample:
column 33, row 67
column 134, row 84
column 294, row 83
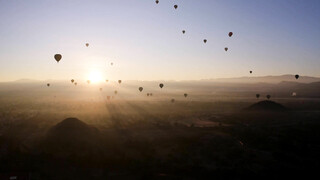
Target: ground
column 159, row 140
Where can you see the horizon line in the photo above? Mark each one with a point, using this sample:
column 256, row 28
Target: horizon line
column 222, row 78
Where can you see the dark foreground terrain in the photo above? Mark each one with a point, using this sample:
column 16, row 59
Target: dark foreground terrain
column 159, row 140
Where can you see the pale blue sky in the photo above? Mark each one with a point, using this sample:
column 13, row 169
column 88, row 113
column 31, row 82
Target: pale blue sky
column 144, row 40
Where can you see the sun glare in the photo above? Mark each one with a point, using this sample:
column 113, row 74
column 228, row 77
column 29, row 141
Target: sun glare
column 95, row 76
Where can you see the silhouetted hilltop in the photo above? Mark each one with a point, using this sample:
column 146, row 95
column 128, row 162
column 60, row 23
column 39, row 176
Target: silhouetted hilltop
column 69, row 125
column 267, row 106
column 71, row 136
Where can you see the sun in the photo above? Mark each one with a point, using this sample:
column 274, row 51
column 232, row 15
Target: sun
column 95, row 77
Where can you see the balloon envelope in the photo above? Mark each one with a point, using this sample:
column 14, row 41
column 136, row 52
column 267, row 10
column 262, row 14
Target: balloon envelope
column 230, row 34
column 161, row 85
column 140, row 89
column 58, row 57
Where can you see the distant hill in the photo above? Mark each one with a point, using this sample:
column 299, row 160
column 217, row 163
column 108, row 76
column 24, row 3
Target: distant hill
column 286, row 88
column 245, row 79
column 267, row 106
column 26, row 81
column 277, row 86
column 268, row 79
column 71, row 136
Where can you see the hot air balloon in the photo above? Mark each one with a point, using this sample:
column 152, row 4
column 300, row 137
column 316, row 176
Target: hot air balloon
column 226, row 49
column 230, row 34
column 250, row 72
column 205, row 41
column 257, row 96
column 108, row 97
column 173, row 100
column 119, row 81
column 140, row 89
column 115, row 92
column 58, row 57
column 100, row 89
column 175, row 6
column 111, row 64
column 107, row 80
column 183, row 31
column 157, row 1
column 88, row 81
column 161, row 85
column 87, row 44
column 297, row 76
column 268, row 96
column 48, row 84
column 294, row 94
column 148, row 94
column 72, row 80
column 75, row 83
column 151, row 94
column 185, row 95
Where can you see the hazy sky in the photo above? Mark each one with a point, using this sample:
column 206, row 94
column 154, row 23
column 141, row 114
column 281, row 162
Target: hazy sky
column 145, row 42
